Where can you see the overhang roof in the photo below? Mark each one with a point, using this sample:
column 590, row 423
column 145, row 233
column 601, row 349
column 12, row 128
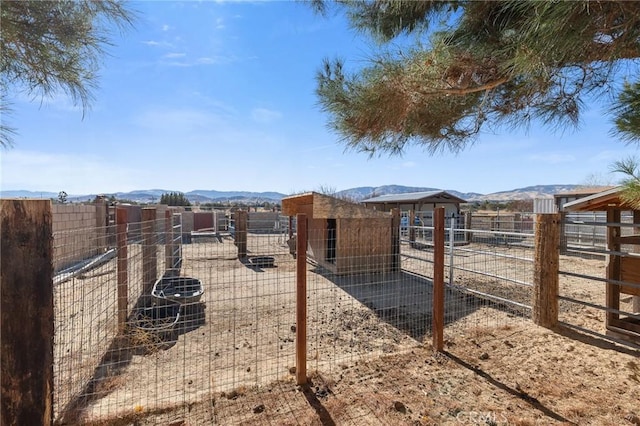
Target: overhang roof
column 601, row 201
column 583, row 191
column 415, row 197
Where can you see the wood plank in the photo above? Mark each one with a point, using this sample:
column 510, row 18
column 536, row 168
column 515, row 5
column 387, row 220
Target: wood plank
column 291, row 205
column 26, row 313
column 122, row 267
column 630, row 272
column 149, row 252
column 613, row 266
column 438, row 279
column 301, row 300
column 546, row 269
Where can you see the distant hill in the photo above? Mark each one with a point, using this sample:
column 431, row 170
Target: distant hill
column 28, row 194
column 356, row 194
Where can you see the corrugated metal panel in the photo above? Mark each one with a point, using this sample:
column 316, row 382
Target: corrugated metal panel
column 544, row 205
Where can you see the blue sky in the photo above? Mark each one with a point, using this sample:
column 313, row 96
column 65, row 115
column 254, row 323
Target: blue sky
column 220, row 95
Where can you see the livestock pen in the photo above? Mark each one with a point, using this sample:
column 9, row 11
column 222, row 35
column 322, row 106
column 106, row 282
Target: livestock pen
column 233, row 356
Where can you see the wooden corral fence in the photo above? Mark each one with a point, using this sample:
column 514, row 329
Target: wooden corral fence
column 27, row 286
column 27, row 312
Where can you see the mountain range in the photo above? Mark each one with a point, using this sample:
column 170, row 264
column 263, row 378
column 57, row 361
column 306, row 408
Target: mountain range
column 356, row 194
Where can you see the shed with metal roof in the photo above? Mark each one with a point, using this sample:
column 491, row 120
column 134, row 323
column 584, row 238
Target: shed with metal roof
column 417, row 202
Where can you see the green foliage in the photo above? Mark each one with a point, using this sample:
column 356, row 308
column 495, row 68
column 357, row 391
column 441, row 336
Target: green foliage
column 51, row 46
column 627, row 112
column 474, row 65
column 630, row 169
column 174, row 199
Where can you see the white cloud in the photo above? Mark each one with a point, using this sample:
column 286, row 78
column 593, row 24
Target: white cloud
column 220, row 24
column 166, row 27
column 204, row 60
column 174, row 55
column 263, row 115
column 155, row 43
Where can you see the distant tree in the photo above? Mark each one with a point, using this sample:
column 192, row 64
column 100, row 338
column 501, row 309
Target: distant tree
column 596, row 179
column 174, row 199
column 51, row 46
column 62, row 197
column 474, row 65
column 525, row 206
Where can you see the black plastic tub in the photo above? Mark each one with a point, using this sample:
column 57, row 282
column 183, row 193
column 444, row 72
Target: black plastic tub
column 262, row 261
column 158, row 319
column 183, row 290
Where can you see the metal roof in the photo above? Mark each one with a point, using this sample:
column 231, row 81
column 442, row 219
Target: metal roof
column 597, row 202
column 416, row 197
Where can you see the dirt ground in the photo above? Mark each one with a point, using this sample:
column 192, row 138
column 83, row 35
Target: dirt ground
column 370, row 357
column 510, row 375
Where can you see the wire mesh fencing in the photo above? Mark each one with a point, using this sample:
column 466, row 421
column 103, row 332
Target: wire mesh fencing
column 489, row 274
column 159, row 321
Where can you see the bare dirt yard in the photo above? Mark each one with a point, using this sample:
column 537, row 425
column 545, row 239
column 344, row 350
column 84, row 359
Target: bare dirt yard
column 370, row 358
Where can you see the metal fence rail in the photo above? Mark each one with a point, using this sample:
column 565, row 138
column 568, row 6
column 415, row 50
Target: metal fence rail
column 584, row 304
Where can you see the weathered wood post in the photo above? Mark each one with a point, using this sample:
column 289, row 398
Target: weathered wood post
column 241, row 233
column 412, row 229
column 290, row 227
column 168, row 241
column 563, row 232
column 122, row 265
column 468, row 236
column 102, row 222
column 301, row 299
column 614, row 266
column 395, row 240
column 26, row 314
column 636, row 249
column 438, row 279
column 546, row 269
column 149, row 251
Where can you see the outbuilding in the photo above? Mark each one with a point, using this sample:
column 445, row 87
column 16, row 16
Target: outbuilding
column 419, row 202
column 623, row 267
column 346, row 237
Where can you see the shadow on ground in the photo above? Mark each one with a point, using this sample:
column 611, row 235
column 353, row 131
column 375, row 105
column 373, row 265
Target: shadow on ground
column 404, row 299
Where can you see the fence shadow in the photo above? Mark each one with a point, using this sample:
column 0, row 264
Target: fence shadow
column 519, row 393
column 119, row 356
column 402, row 299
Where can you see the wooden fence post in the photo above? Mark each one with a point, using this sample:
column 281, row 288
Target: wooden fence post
column 636, row 249
column 26, row 313
column 546, row 269
column 412, row 230
column 395, row 240
column 241, row 233
column 301, row 299
column 168, row 240
column 438, row 279
column 290, row 227
column 102, row 223
column 122, row 265
column 149, row 250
